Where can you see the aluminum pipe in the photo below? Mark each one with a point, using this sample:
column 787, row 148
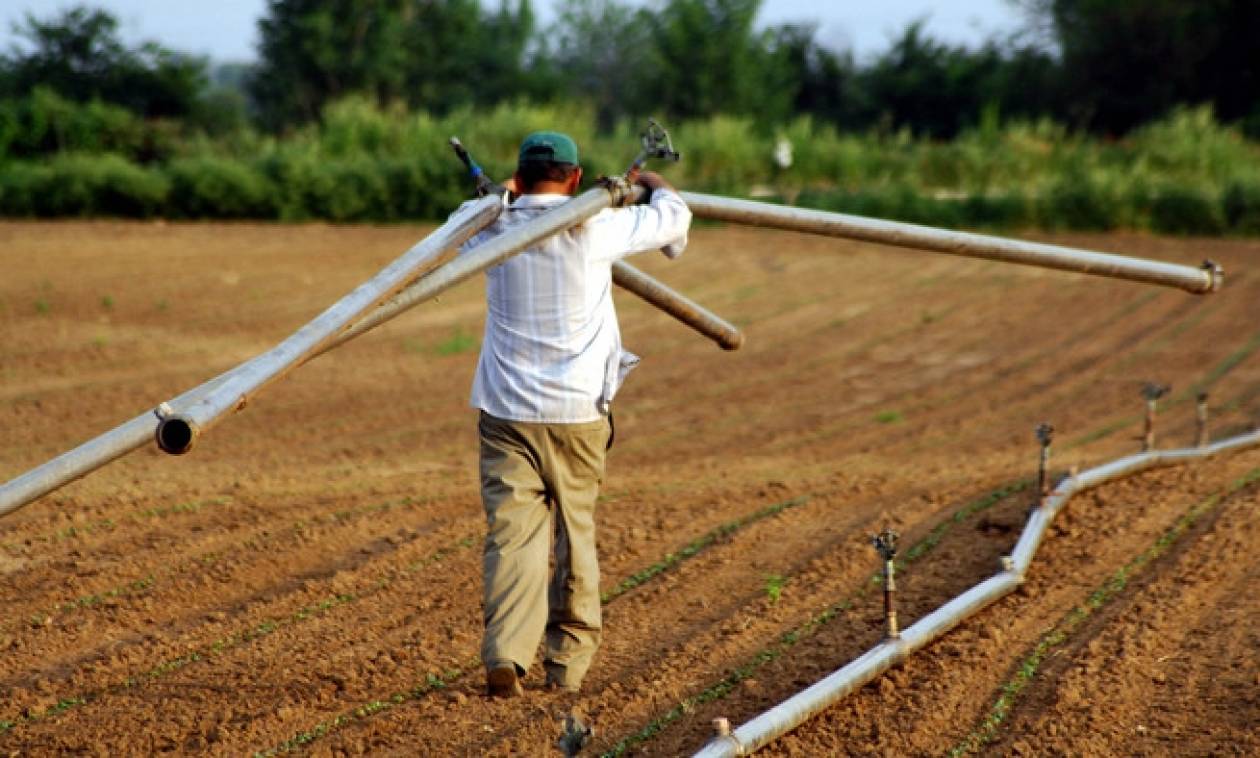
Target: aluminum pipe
column 1196, row 280
column 133, row 434
column 794, row 711
column 178, row 431
column 686, row 310
column 807, row 703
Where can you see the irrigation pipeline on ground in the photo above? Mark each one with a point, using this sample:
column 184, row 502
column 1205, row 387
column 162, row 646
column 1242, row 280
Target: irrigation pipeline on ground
column 804, row 705
column 177, row 423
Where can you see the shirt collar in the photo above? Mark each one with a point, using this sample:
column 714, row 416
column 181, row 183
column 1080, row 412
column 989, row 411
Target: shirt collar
column 546, row 200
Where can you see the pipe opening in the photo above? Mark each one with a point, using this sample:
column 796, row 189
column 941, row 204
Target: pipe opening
column 176, row 434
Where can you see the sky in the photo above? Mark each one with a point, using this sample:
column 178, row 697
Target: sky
column 226, row 30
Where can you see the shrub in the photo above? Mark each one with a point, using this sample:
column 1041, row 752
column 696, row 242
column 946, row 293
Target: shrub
column 1241, row 206
column 73, row 184
column 301, row 181
column 1180, row 209
column 1079, row 202
column 893, row 203
column 214, row 187
column 44, row 122
column 20, row 184
column 1006, row 210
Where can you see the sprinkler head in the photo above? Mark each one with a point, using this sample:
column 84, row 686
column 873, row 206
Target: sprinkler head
column 886, row 543
column 657, row 144
column 1045, row 434
column 1152, row 391
column 575, row 735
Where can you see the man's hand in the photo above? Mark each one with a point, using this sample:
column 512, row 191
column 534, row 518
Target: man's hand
column 651, row 180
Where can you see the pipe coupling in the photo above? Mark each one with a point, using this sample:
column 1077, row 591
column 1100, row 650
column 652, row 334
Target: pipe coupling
column 618, row 187
column 1216, row 275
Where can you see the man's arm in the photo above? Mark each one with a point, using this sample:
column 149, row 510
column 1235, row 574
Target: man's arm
column 661, row 223
column 652, row 181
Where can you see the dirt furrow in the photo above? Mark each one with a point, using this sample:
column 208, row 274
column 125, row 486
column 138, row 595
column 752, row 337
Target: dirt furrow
column 889, row 387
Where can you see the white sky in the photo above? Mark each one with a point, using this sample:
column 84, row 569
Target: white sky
column 226, row 29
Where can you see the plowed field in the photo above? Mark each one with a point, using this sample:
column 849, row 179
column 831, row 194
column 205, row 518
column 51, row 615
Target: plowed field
column 308, row 578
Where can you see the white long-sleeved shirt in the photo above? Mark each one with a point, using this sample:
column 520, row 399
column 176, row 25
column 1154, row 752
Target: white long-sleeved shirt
column 552, row 351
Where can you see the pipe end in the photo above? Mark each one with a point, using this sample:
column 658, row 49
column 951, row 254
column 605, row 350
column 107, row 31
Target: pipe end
column 1215, row 274
column 176, row 434
column 732, row 341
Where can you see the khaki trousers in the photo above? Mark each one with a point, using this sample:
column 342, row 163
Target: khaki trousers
column 539, row 483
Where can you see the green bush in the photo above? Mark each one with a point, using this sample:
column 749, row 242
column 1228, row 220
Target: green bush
column 44, row 122
column 215, row 187
column 893, row 203
column 1007, row 210
column 1185, row 174
column 20, row 184
column 74, row 184
column 1241, row 206
column 1080, row 202
column 1180, row 209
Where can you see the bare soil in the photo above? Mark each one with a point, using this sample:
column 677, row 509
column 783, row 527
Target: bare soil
column 308, row 578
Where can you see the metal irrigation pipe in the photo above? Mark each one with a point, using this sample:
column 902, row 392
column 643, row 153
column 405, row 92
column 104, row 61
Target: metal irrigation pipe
column 179, row 426
column 178, row 431
column 1197, row 280
column 133, row 434
column 724, row 333
column 794, row 711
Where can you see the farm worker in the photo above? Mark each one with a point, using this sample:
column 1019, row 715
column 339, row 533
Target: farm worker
column 551, row 361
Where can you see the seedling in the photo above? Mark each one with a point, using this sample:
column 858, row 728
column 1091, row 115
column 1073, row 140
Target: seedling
column 889, row 417
column 459, row 342
column 774, row 587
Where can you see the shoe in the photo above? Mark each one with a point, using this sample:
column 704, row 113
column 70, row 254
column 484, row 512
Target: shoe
column 554, row 686
column 502, row 681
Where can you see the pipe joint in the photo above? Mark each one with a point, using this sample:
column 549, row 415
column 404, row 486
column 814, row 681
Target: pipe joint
column 618, row 188
column 1215, row 275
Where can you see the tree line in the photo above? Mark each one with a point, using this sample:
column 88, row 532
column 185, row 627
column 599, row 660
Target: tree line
column 1099, row 66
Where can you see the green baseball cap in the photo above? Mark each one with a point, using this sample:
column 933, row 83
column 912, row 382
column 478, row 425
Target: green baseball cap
column 549, row 146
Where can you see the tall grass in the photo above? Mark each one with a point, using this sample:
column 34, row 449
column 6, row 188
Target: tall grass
column 1186, row 174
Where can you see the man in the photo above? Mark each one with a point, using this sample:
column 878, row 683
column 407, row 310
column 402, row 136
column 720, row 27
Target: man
column 551, row 362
